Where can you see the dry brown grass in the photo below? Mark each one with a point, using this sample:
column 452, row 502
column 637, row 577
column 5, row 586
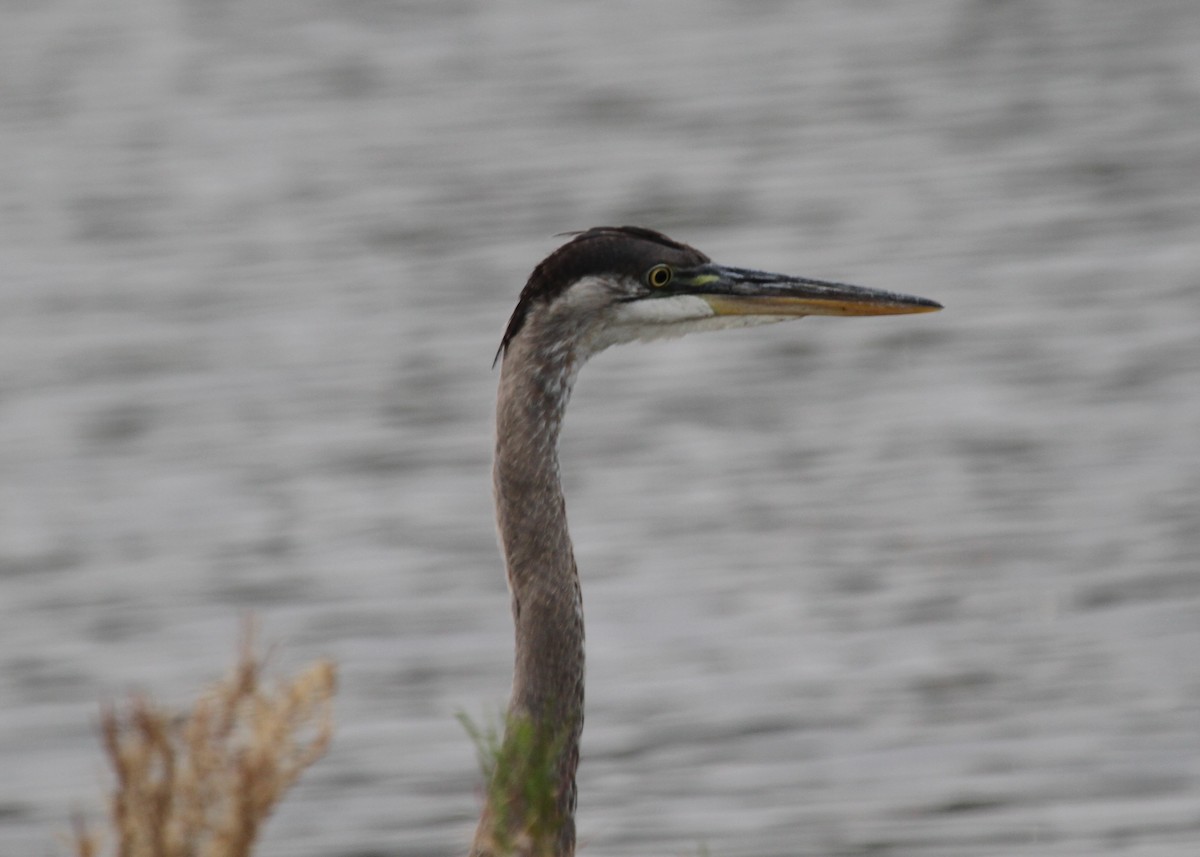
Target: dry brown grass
column 202, row 783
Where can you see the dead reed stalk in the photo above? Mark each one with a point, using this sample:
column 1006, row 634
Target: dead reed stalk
column 202, row 783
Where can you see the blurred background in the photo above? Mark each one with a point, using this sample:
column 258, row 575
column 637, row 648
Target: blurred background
column 918, row 585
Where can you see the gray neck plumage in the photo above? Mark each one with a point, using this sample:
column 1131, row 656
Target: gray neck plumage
column 532, row 521
column 535, row 384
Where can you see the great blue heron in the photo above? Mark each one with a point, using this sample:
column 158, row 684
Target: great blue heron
column 605, row 286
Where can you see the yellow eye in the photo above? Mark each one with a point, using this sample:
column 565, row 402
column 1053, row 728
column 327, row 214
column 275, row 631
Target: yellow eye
column 658, row 276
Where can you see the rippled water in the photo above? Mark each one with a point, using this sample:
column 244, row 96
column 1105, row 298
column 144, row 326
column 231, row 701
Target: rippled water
column 907, row 586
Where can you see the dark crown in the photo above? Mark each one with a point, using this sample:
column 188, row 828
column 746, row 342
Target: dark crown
column 621, row 250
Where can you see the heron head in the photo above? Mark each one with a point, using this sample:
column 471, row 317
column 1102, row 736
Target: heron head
column 611, row 285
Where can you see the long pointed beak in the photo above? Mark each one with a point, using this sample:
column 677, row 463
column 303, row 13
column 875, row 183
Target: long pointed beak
column 738, row 291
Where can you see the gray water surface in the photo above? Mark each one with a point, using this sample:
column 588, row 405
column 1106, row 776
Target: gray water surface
column 902, row 586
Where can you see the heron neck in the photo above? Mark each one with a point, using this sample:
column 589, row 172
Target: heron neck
column 535, row 384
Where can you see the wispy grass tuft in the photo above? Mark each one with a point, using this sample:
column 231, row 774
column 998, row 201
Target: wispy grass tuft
column 202, row 783
column 520, row 767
